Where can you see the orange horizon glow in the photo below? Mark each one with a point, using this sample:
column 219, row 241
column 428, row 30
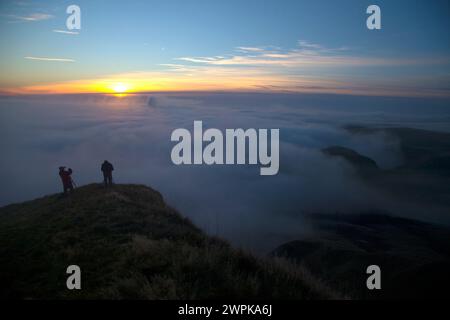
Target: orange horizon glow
column 144, row 82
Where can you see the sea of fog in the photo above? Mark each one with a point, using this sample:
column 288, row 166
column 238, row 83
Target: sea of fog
column 40, row 133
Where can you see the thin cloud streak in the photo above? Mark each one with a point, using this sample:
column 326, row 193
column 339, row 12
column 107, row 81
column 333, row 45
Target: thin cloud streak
column 65, row 32
column 49, row 59
column 306, row 54
column 31, row 17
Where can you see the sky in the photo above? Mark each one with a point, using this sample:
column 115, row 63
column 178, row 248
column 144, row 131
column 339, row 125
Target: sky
column 299, row 46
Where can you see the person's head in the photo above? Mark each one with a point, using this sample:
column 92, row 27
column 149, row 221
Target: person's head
column 61, row 168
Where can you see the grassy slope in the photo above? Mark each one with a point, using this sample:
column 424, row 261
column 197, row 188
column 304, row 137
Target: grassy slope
column 130, row 244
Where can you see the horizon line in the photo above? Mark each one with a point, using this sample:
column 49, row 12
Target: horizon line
column 229, row 91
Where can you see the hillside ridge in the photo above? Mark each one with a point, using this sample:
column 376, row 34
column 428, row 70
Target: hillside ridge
column 130, row 244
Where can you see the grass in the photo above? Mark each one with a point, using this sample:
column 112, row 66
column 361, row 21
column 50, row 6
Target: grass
column 130, row 245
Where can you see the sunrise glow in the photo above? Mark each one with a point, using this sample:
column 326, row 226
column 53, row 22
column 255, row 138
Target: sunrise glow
column 120, row 88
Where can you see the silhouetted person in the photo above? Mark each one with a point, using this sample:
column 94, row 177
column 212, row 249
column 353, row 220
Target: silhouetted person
column 66, row 179
column 107, row 169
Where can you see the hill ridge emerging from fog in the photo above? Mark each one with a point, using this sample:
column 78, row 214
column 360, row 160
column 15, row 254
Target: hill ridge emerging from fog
column 130, row 245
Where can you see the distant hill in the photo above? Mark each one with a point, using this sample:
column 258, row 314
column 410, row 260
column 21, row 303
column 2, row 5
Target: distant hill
column 424, row 151
column 130, row 245
column 363, row 164
column 414, row 257
column 423, row 177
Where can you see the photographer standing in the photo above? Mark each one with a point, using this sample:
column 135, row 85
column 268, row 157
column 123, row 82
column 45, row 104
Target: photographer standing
column 66, row 179
column 107, row 169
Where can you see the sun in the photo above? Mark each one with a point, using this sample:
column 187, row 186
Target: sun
column 120, row 88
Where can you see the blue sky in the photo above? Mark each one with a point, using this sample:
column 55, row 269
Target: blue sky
column 291, row 44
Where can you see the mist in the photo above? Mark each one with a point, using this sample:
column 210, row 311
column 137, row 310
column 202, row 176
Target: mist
column 41, row 133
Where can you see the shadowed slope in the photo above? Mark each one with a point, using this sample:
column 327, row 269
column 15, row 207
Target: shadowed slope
column 414, row 256
column 130, row 244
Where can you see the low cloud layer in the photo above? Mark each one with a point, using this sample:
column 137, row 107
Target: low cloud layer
column 38, row 134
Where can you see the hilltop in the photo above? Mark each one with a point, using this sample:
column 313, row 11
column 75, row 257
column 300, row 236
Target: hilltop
column 130, row 244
